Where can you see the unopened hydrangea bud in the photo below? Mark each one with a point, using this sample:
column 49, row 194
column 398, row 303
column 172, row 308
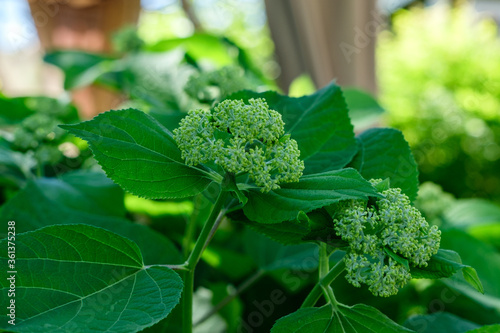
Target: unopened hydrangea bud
column 391, row 225
column 241, row 138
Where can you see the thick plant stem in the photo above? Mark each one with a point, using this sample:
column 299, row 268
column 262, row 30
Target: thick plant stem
column 315, row 293
column 324, row 267
column 215, row 216
column 203, row 239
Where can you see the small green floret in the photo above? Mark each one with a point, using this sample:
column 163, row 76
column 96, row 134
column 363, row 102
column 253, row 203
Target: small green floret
column 241, row 138
column 391, row 225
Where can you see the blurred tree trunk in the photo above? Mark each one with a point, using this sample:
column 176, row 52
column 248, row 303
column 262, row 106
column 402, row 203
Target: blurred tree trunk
column 326, row 39
column 84, row 25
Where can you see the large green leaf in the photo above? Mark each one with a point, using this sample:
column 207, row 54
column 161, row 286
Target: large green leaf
column 53, row 201
column 319, row 123
column 270, row 255
column 140, row 155
column 311, row 192
column 442, row 322
column 384, row 153
column 72, row 277
column 445, row 264
column 344, row 319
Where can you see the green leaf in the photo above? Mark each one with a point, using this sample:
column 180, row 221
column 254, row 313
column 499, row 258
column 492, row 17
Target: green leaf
column 15, row 167
column 484, row 258
column 486, row 329
column 384, row 153
column 311, row 192
column 198, row 46
column 364, row 110
column 318, row 122
column 397, row 258
column 78, row 276
column 80, row 68
column 270, row 255
column 287, row 232
column 14, row 110
column 442, row 322
column 345, row 319
column 140, row 155
column 445, row 264
column 470, row 213
column 49, row 201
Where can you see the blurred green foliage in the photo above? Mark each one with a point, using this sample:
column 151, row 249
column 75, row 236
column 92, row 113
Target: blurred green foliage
column 439, row 74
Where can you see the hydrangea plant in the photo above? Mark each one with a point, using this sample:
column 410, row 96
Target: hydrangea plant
column 291, row 168
column 242, row 139
column 383, row 240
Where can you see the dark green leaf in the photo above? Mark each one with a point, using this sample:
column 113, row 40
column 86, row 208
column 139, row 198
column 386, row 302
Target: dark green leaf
column 344, row 319
column 318, row 122
column 270, row 255
column 397, row 258
column 311, row 192
column 140, row 155
column 71, row 277
column 444, row 264
column 384, row 153
column 52, row 201
column 442, row 322
column 487, row 329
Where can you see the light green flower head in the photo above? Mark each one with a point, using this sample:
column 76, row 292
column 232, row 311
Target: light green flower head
column 392, row 228
column 241, row 138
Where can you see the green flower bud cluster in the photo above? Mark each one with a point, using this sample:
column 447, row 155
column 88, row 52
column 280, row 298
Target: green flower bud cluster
column 209, row 86
column 241, row 138
column 377, row 235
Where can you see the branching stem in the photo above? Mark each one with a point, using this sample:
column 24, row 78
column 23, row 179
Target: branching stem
column 201, row 243
column 325, row 281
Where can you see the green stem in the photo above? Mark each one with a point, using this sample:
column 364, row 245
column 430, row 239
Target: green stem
column 203, row 239
column 215, row 217
column 324, row 267
column 315, row 293
column 191, row 227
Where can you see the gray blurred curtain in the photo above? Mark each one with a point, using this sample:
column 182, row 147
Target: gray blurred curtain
column 327, row 39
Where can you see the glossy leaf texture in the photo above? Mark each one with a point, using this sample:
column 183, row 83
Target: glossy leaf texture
column 445, row 264
column 311, row 192
column 319, row 123
column 89, row 198
column 78, row 276
column 344, row 319
column 140, row 155
column 384, row 153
